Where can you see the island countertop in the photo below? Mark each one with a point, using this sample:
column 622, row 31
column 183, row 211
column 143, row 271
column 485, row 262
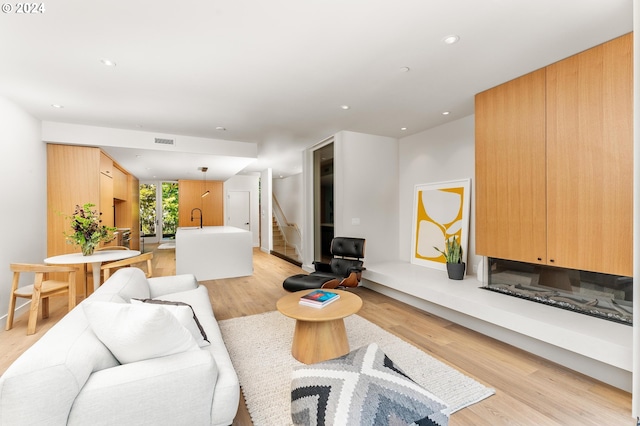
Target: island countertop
column 214, row 252
column 211, row 229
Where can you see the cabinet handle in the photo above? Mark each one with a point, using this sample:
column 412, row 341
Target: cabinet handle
column 540, row 259
column 551, row 260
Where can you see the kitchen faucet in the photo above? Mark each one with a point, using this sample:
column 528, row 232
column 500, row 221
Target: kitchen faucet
column 192, row 210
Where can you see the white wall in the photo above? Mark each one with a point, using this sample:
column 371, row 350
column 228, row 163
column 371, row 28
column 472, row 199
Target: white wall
column 23, row 171
column 366, row 192
column 440, row 154
column 250, row 184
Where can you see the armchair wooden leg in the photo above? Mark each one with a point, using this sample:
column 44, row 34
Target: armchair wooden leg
column 35, row 304
column 73, row 292
column 33, row 312
column 12, row 308
column 12, row 300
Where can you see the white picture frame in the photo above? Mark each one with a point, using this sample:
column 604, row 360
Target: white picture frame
column 440, row 211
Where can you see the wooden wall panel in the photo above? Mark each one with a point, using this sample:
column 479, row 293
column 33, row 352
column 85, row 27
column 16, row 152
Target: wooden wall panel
column 190, row 197
column 590, row 159
column 510, row 170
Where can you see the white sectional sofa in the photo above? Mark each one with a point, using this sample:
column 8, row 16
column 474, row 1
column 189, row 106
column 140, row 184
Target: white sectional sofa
column 69, row 376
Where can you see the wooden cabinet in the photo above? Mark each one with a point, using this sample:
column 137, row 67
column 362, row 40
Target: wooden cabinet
column 120, row 184
column 554, row 164
column 128, row 211
column 77, row 175
column 590, row 159
column 212, row 206
column 106, row 165
column 510, row 170
column 106, row 200
column 72, row 179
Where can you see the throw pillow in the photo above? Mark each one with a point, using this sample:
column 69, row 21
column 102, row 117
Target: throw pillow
column 363, row 387
column 138, row 332
column 185, row 314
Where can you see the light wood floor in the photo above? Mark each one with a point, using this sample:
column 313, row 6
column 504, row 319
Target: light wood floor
column 529, row 389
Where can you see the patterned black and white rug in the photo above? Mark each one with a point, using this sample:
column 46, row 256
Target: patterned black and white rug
column 260, row 348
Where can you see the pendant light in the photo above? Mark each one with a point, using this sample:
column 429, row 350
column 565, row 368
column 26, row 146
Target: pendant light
column 204, row 179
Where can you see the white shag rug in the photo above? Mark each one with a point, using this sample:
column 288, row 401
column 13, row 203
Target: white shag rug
column 260, row 349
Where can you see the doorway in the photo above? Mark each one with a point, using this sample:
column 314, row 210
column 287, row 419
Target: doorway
column 239, row 209
column 323, row 202
column 158, row 220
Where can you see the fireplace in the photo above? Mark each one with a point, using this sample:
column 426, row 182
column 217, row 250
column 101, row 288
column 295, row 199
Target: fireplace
column 600, row 295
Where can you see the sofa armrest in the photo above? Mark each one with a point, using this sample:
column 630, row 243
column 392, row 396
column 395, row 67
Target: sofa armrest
column 176, row 389
column 160, row 286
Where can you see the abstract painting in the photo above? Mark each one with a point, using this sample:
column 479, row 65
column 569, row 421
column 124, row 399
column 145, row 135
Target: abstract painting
column 440, row 211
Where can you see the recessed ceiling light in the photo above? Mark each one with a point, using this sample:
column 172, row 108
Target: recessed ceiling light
column 108, row 62
column 403, row 128
column 345, row 106
column 451, row 39
column 405, row 69
column 220, row 128
column 57, row 106
column 446, row 113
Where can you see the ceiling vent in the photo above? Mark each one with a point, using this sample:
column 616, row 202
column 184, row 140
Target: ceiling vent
column 165, row 141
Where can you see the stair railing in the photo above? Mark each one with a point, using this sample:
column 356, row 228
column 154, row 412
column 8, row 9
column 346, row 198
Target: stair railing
column 290, row 231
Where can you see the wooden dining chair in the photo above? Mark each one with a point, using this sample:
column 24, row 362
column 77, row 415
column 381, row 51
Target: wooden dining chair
column 41, row 289
column 112, row 248
column 144, row 257
column 90, row 269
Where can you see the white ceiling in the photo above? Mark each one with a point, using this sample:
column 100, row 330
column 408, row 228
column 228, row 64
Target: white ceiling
column 276, row 72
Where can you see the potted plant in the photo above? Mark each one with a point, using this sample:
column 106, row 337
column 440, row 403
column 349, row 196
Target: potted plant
column 87, row 231
column 453, row 257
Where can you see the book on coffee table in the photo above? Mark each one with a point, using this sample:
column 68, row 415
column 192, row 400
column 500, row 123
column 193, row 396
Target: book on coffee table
column 319, row 298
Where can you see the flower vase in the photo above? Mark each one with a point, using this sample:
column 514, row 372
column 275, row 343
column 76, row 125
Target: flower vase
column 88, row 249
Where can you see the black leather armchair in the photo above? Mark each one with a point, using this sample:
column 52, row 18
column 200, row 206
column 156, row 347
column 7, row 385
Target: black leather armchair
column 344, row 269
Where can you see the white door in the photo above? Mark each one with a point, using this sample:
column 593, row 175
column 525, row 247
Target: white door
column 238, row 209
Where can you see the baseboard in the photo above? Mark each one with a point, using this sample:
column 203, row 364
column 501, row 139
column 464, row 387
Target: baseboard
column 20, row 310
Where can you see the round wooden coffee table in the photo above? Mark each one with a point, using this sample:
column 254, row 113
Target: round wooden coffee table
column 320, row 333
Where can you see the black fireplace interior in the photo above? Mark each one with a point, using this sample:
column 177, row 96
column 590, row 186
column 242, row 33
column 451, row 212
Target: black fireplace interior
column 601, row 295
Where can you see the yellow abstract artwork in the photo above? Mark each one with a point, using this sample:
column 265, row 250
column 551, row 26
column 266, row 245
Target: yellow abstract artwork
column 441, row 211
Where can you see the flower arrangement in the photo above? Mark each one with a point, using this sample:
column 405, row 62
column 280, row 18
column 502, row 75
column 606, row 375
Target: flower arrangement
column 87, row 231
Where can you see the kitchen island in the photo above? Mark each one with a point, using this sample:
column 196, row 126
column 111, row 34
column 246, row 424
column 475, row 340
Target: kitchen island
column 214, row 252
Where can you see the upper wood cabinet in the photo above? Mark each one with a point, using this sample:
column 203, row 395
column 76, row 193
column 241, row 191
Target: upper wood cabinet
column 106, row 165
column 510, row 170
column 554, row 164
column 590, row 159
column 120, row 184
column 212, row 206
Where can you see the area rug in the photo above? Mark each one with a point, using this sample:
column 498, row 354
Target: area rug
column 260, row 349
column 167, row 246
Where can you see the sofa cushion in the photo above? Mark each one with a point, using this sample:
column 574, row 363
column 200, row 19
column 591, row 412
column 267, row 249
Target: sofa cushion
column 185, row 314
column 363, row 387
column 137, row 332
column 126, row 283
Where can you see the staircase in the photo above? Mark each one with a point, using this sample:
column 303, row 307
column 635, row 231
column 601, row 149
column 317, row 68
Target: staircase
column 280, row 244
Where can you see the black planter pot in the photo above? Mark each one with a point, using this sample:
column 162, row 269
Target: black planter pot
column 455, row 270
